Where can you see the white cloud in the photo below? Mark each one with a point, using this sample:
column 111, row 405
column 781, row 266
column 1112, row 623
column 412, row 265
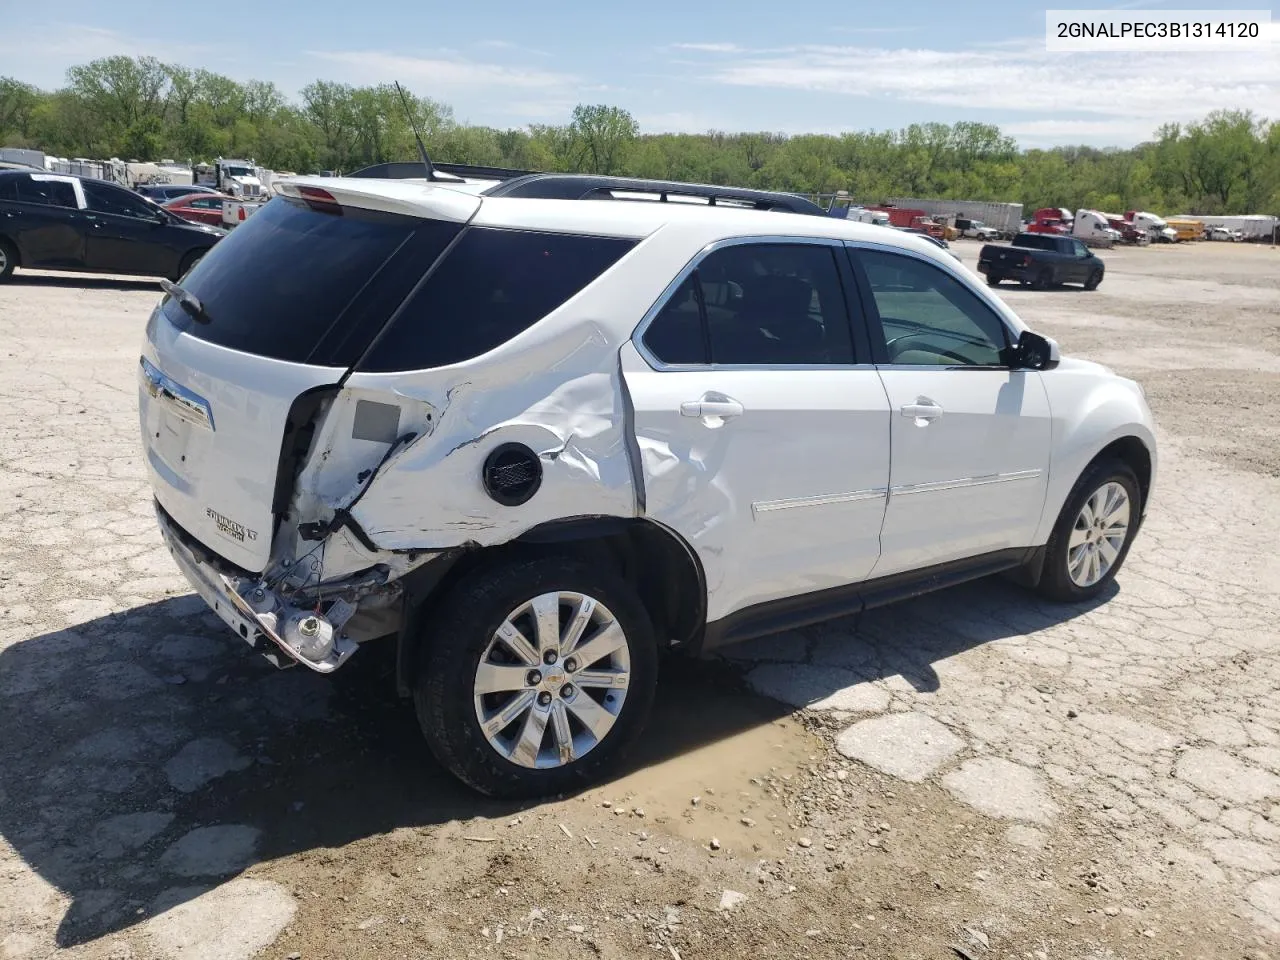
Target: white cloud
column 675, row 121
column 1120, row 98
column 41, row 57
column 434, row 73
column 708, row 47
column 514, row 47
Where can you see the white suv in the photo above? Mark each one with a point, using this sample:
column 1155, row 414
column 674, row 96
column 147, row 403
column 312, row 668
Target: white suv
column 537, row 433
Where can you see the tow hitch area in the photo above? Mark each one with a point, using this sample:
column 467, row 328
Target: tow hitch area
column 312, row 627
column 312, row 638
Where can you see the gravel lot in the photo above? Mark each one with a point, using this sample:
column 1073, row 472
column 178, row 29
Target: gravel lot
column 971, row 774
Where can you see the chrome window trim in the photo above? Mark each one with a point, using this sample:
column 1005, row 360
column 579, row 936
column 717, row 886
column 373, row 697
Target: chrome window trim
column 983, row 295
column 637, row 336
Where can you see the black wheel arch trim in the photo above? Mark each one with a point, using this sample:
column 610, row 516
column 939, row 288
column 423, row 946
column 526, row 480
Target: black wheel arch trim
column 424, row 585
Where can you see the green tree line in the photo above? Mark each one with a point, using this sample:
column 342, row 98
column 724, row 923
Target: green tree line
column 144, row 109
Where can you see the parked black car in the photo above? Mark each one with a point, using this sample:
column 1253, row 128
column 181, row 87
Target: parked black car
column 164, row 192
column 1043, row 260
column 58, row 222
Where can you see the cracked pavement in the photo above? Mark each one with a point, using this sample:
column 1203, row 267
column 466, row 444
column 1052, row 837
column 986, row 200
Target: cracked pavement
column 150, row 760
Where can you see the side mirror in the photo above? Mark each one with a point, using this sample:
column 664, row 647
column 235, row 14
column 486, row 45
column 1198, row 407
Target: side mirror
column 1034, row 352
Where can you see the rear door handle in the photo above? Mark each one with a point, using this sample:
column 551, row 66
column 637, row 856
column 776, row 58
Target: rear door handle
column 925, row 409
column 711, row 406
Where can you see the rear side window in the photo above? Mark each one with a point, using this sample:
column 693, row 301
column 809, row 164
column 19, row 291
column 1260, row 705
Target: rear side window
column 677, row 334
column 49, row 193
column 8, row 188
column 493, row 285
column 759, row 304
column 309, row 286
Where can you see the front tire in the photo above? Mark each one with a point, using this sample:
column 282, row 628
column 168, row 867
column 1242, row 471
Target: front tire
column 1095, row 278
column 1093, row 533
column 536, row 678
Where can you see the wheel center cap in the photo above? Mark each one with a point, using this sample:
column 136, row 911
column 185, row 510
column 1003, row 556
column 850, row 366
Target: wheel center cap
column 553, row 677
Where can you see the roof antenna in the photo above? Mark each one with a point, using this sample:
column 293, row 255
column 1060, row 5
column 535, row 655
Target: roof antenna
column 432, row 174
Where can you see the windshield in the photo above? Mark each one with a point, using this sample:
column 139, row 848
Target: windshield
column 240, row 171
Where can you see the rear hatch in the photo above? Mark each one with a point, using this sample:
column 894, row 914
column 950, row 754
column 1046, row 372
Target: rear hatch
column 286, row 305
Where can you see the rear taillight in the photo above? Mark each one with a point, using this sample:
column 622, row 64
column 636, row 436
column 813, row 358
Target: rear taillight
column 240, row 214
column 318, row 199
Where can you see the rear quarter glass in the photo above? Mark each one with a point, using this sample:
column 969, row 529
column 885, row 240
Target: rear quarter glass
column 492, row 285
column 307, row 286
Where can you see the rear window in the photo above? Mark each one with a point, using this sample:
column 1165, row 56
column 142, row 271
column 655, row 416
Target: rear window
column 493, row 285
column 49, row 193
column 297, row 284
column 1035, row 241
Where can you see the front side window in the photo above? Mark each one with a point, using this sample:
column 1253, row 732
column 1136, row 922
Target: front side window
column 104, row 198
column 775, row 304
column 930, row 317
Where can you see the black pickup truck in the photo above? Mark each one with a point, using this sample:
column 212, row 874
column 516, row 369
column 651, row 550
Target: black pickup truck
column 1043, row 260
column 60, row 222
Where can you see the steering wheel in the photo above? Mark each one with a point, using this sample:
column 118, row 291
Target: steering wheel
column 941, row 351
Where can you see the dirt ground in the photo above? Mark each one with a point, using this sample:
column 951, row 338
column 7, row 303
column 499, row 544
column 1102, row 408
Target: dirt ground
column 972, row 774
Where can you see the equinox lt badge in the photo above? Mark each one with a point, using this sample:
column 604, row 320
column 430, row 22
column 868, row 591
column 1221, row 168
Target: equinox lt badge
column 230, row 528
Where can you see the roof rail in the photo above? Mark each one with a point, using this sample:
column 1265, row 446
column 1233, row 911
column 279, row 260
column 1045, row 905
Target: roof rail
column 412, row 170
column 580, row 186
column 585, row 186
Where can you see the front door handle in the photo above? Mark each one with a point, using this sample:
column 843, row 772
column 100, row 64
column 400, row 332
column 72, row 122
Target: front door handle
column 711, row 405
column 924, row 409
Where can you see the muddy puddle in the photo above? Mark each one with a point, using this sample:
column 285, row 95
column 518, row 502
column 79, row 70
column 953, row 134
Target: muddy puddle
column 726, row 748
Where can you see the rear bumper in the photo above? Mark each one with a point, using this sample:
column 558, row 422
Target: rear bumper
column 225, row 595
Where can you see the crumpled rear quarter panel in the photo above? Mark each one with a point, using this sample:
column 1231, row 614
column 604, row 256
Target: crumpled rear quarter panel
column 559, row 393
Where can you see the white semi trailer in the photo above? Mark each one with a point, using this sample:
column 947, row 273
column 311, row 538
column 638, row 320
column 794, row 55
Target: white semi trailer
column 1006, row 218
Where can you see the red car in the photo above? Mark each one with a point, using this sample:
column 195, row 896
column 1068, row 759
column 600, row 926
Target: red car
column 198, row 208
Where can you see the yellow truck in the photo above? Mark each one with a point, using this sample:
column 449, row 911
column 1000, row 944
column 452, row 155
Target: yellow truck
column 1187, row 229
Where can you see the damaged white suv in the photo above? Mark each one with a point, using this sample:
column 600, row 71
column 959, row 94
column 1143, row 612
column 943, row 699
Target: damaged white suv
column 538, row 430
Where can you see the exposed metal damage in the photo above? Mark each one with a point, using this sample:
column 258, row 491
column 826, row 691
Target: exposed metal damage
column 366, row 510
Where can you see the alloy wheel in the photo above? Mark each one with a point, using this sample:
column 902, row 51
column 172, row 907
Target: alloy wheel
column 1098, row 534
column 552, row 681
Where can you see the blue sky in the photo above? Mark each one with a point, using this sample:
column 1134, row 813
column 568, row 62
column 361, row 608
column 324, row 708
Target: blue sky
column 804, row 65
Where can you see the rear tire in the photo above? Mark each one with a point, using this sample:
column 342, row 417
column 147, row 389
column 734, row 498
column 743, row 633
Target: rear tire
column 8, row 259
column 1043, row 280
column 1095, row 278
column 1087, row 549
column 993, row 281
column 558, row 734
